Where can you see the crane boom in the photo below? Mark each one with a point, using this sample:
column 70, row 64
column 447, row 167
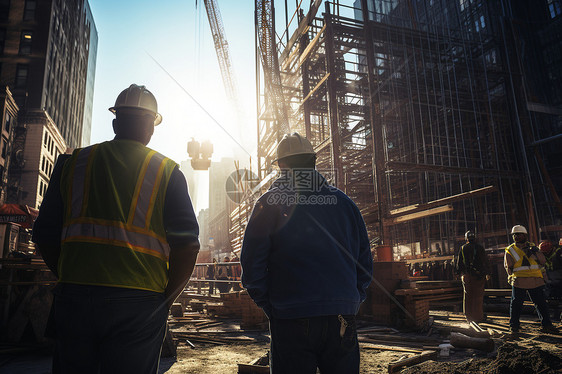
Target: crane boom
column 221, row 48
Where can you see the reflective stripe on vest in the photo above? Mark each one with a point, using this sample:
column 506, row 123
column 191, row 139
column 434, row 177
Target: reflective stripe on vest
column 145, row 194
column 532, row 267
column 513, row 254
column 117, row 236
column 533, row 270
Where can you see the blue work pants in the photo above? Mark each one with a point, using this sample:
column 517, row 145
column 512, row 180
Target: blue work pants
column 304, row 344
column 105, row 330
column 537, row 297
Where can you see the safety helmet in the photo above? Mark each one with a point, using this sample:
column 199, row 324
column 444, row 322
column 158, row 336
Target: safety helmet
column 469, row 235
column 518, row 229
column 137, row 97
column 545, row 246
column 292, row 145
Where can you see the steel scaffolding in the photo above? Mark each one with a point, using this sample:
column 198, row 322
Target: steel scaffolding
column 416, row 112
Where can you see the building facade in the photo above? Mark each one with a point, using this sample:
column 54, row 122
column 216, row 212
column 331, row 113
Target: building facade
column 219, row 206
column 47, row 59
column 9, row 113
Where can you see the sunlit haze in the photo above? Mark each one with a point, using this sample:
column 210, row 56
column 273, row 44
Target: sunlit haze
column 135, row 37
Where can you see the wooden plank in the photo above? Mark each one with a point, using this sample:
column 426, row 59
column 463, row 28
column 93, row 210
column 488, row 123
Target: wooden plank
column 384, row 347
column 435, row 291
column 247, row 368
column 424, row 356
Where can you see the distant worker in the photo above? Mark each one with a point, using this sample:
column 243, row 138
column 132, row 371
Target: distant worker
column 473, row 266
column 224, row 273
column 523, row 261
column 211, row 270
column 306, row 261
column 118, row 230
column 553, row 267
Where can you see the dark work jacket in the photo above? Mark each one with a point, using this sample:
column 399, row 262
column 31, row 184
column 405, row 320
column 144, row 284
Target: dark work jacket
column 306, row 252
column 472, row 260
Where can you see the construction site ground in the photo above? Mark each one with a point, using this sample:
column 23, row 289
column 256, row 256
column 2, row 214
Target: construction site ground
column 212, row 346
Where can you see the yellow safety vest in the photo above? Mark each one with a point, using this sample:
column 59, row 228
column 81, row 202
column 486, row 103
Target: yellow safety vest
column 533, row 270
column 113, row 230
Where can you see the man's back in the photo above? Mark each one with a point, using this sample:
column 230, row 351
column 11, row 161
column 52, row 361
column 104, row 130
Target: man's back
column 319, row 249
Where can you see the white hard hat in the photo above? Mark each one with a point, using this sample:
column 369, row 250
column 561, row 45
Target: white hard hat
column 137, row 97
column 292, row 145
column 518, row 229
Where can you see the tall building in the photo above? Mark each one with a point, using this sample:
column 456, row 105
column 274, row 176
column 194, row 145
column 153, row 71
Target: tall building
column 47, row 60
column 90, row 78
column 219, row 212
column 205, row 254
column 190, row 177
column 9, row 113
column 48, row 54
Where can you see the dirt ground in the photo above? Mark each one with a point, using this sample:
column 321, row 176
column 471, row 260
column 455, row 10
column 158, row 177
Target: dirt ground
column 528, row 352
column 225, row 359
column 511, row 357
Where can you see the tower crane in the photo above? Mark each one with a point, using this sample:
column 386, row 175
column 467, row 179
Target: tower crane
column 265, row 25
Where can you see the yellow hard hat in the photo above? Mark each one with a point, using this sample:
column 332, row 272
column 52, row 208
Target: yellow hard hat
column 137, row 97
column 292, row 145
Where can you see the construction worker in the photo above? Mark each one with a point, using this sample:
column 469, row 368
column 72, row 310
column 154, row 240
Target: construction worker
column 474, row 267
column 523, row 261
column 211, row 271
column 553, row 268
column 306, row 261
column 118, row 229
column 224, row 273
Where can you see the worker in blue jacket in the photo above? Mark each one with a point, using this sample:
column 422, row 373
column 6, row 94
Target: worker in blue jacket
column 306, row 261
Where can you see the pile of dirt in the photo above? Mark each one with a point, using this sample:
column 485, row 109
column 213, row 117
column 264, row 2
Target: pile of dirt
column 511, row 358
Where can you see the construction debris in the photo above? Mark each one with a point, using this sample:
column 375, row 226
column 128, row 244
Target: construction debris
column 463, row 341
column 424, row 356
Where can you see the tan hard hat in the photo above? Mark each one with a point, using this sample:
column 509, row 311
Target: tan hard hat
column 292, row 145
column 137, row 97
column 518, row 229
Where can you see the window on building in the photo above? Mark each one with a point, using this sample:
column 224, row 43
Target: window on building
column 8, row 122
column 554, row 7
column 4, row 9
column 4, row 148
column 25, row 42
column 29, row 10
column 21, row 75
column 2, row 40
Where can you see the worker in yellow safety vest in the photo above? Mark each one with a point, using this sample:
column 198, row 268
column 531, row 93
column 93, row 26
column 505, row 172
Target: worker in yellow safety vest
column 118, row 230
column 523, row 261
column 553, row 268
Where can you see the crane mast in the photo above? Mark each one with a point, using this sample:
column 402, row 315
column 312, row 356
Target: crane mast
column 265, row 24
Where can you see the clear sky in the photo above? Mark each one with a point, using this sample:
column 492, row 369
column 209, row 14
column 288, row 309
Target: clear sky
column 134, row 33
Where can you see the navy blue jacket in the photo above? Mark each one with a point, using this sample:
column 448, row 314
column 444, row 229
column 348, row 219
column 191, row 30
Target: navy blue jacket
column 306, row 251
